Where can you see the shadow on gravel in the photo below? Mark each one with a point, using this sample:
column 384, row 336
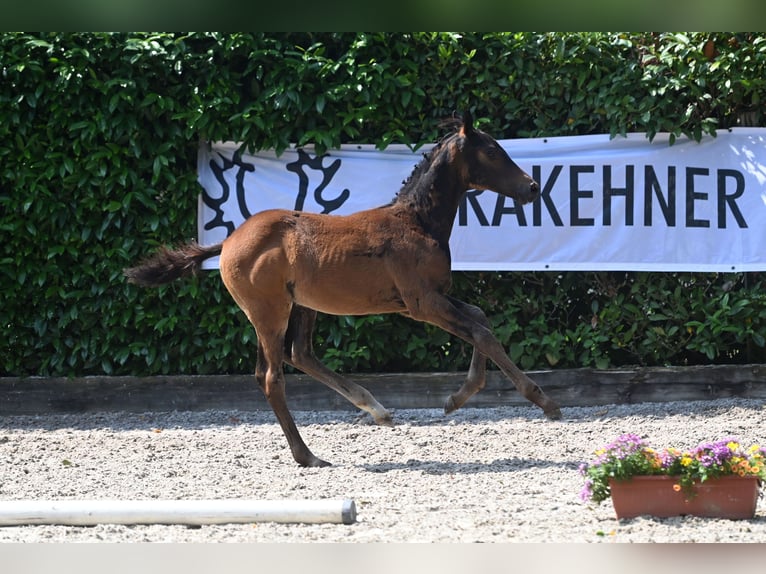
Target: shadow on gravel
column 447, row 468
column 121, row 420
column 533, row 415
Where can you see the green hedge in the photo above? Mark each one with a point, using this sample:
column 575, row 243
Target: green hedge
column 98, row 141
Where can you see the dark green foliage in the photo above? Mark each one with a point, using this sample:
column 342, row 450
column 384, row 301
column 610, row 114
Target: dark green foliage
column 98, row 141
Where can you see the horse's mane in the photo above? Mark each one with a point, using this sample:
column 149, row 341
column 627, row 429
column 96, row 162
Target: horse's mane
column 410, row 188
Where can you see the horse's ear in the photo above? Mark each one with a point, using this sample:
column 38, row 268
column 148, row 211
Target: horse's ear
column 467, row 128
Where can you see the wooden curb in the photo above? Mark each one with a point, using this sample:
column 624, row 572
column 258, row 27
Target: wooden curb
column 574, row 387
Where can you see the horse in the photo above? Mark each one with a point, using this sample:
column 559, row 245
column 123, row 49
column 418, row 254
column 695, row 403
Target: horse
column 282, row 267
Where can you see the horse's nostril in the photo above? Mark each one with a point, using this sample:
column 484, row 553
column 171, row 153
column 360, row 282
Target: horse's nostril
column 534, row 188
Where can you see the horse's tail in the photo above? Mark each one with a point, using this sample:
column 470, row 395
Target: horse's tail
column 169, row 264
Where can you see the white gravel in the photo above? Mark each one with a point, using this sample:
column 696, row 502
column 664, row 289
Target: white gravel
column 478, row 475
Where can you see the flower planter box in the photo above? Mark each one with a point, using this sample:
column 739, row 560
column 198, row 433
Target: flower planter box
column 732, row 497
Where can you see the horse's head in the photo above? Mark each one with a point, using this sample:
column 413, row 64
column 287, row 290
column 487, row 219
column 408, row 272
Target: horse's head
column 488, row 166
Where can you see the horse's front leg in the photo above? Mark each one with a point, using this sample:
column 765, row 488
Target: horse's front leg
column 477, row 371
column 450, row 314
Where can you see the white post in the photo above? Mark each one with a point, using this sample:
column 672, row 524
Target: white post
column 194, row 512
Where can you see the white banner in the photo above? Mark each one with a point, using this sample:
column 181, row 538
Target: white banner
column 620, row 204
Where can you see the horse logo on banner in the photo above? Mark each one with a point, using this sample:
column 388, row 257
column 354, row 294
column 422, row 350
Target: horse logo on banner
column 299, row 167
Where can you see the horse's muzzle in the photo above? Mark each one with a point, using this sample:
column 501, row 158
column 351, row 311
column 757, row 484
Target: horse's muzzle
column 531, row 193
column 534, row 190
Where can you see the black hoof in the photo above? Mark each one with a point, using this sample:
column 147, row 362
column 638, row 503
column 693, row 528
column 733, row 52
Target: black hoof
column 553, row 414
column 313, row 462
column 450, row 406
column 385, row 421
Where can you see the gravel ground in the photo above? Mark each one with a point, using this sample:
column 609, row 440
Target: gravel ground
column 478, row 475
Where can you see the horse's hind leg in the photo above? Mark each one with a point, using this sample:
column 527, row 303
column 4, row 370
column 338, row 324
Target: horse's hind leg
column 270, row 377
column 299, row 353
column 477, row 371
column 270, row 322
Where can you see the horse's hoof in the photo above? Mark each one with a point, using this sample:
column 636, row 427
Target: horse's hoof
column 313, row 462
column 553, row 414
column 385, row 420
column 450, row 405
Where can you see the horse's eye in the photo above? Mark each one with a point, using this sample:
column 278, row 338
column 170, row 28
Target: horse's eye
column 491, row 152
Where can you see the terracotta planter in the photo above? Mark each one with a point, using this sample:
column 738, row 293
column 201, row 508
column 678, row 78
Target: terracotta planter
column 731, row 497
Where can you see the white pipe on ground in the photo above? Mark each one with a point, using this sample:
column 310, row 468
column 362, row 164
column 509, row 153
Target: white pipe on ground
column 193, row 512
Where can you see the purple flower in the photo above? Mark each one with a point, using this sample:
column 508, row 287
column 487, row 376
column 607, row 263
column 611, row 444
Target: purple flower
column 626, row 444
column 668, row 457
column 716, row 453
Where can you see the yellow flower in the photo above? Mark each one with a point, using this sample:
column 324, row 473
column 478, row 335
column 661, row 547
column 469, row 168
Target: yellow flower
column 686, row 460
column 731, row 445
column 676, row 487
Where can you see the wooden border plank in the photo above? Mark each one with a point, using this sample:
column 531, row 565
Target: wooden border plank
column 571, row 387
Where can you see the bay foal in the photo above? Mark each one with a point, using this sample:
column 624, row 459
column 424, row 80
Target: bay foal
column 283, row 266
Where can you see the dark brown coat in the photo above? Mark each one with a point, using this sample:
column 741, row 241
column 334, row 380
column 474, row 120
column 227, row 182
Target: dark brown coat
column 282, row 267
